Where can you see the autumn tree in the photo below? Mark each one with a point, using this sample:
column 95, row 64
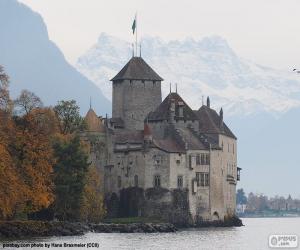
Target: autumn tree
column 69, row 177
column 69, row 118
column 92, row 206
column 27, row 101
column 33, row 155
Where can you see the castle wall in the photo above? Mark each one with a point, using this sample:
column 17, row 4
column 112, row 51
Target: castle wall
column 217, row 182
column 134, row 99
column 126, row 171
column 199, row 203
column 157, row 162
column 229, row 168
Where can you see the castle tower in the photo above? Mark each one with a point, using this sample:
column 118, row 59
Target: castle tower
column 136, row 92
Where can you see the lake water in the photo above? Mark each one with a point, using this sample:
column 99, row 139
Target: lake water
column 253, row 236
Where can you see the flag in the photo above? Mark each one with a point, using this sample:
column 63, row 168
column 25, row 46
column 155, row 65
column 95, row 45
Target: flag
column 133, row 27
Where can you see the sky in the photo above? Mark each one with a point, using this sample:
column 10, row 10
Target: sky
column 264, row 31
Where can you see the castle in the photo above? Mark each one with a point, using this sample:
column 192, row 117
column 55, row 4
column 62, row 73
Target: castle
column 161, row 159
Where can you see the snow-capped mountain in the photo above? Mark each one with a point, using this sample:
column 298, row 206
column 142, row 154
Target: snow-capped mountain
column 200, row 68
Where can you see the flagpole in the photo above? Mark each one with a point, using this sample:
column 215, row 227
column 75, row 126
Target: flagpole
column 136, row 25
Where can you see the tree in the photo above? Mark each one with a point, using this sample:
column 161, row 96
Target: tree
column 4, row 93
column 33, row 156
column 92, row 207
column 69, row 118
column 27, row 101
column 69, row 177
column 241, row 197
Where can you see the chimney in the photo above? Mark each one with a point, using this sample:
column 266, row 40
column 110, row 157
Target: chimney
column 147, row 132
column 208, row 102
column 221, row 118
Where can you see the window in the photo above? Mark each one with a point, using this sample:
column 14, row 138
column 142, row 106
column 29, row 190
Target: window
column 238, row 174
column 202, row 159
column 119, row 182
column 202, row 179
column 157, row 160
column 179, row 181
column 156, row 181
column 207, row 159
column 177, row 162
column 136, row 181
column 206, row 180
column 180, row 108
column 198, row 159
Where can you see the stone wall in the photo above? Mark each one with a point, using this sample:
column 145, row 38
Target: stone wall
column 229, row 166
column 134, row 99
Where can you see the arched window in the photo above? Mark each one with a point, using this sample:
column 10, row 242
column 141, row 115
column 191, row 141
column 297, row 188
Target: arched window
column 156, row 181
column 136, row 181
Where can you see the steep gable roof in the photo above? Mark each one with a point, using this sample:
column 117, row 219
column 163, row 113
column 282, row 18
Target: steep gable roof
column 209, row 122
column 137, row 69
column 163, row 110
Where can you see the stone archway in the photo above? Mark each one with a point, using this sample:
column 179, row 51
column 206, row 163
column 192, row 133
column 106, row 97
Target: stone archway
column 215, row 216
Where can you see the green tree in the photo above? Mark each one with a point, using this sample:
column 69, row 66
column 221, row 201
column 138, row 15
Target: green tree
column 70, row 173
column 241, row 197
column 69, row 118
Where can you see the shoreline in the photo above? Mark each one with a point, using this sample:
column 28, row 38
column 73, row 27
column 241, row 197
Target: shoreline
column 32, row 229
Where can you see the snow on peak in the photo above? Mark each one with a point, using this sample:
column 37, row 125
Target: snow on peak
column 200, row 68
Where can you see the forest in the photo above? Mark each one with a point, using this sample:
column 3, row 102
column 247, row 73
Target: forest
column 45, row 172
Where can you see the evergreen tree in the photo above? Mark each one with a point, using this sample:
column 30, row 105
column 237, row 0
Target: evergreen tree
column 70, row 173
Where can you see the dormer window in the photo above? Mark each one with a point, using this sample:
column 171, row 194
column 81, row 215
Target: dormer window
column 180, row 109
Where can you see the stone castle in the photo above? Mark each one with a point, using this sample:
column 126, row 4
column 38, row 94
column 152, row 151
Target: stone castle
column 161, row 159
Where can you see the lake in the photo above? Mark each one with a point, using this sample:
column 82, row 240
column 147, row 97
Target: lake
column 253, row 236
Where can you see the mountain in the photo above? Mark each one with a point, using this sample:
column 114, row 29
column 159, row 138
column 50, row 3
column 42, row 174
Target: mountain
column 35, row 63
column 199, row 67
column 261, row 105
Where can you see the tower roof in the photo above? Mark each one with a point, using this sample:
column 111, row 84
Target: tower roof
column 93, row 123
column 137, row 69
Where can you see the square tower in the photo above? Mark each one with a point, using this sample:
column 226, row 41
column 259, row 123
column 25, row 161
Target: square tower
column 136, row 92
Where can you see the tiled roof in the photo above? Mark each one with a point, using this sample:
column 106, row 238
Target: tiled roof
column 209, row 122
column 130, row 136
column 163, row 110
column 192, row 140
column 117, row 122
column 93, row 122
column 170, row 141
column 137, row 69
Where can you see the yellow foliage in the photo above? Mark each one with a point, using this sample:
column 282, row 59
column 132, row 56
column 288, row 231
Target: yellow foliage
column 92, row 207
